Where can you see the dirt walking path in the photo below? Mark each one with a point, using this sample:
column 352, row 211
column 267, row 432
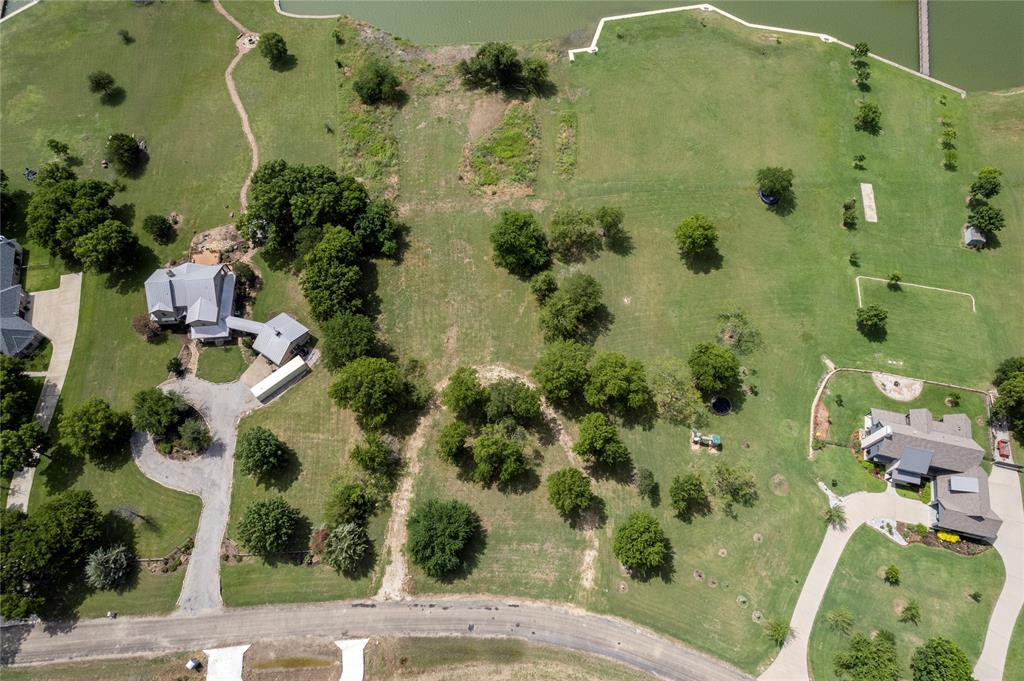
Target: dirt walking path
column 245, row 43
column 394, row 585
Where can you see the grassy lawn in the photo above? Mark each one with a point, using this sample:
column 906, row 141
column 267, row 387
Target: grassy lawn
column 162, row 668
column 939, row 580
column 528, row 550
column 460, row 659
column 1015, row 656
column 221, row 364
column 176, row 100
column 40, row 359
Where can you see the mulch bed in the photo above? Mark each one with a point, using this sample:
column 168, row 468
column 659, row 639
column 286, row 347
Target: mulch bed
column 964, row 547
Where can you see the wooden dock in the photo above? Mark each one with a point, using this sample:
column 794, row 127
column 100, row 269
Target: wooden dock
column 922, row 37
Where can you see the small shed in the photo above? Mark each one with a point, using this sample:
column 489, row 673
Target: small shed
column 974, row 237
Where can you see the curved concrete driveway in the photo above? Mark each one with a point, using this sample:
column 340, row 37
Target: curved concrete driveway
column 791, row 664
column 531, row 621
column 209, row 477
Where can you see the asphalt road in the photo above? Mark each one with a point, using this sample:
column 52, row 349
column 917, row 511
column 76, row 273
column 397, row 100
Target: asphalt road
column 536, row 622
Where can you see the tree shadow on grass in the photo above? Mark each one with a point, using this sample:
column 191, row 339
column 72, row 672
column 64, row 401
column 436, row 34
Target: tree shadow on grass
column 132, row 278
column 114, row 97
column 10, row 642
column 622, row 473
column 295, row 552
column 365, row 566
column 594, row 517
column 524, row 483
column 786, row 205
column 666, row 573
column 285, row 475
column 284, row 64
column 874, row 334
column 620, row 244
column 704, row 263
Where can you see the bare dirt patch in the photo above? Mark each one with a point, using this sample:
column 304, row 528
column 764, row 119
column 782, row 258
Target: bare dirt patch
column 899, row 388
column 779, row 485
column 758, row 537
column 485, row 116
column 757, row 616
column 224, row 241
column 698, row 575
column 822, row 421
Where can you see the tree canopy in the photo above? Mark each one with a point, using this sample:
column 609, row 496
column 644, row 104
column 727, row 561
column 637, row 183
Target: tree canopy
column 696, row 235
column 497, row 65
column 868, row 118
column 511, row 398
column 988, row 184
column 440, row 534
column 1007, row 368
column 451, row 443
column 1009, row 406
column 868, row 659
column 345, row 337
column 573, row 236
column 273, row 47
column 95, row 431
column 260, row 453
column 675, row 396
column 940, row 660
column 775, row 182
column 101, row 81
column 599, row 443
column 640, row 544
column 108, row 568
column 376, row 82
column 497, row 459
column 19, row 447
column 987, row 218
column 562, row 370
column 617, row 383
column 572, row 311
column 268, row 525
column 160, row 228
column 110, row 247
column 464, row 396
column 519, row 243
column 689, row 496
column 17, row 393
column 331, row 280
column 347, row 547
column 157, row 412
column 715, row 369
column 569, row 491
column 871, row 319
column 59, row 214
column 378, row 230
column 348, row 502
column 41, row 554
column 124, row 153
column 372, row 387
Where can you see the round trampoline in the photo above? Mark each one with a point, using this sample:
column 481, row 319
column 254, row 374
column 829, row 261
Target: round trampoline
column 768, row 200
column 721, row 405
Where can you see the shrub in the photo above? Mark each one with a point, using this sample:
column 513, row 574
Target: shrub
column 920, row 529
column 440, row 535
column 194, row 436
column 376, row 82
column 778, row 631
column 988, row 184
column 689, row 496
column 911, row 612
column 146, row 327
column 573, row 236
column 850, row 213
column 464, row 396
column 940, row 660
column 451, row 444
column 646, row 485
column 976, row 596
column 497, row 459
column 573, row 311
column 950, row 159
column 640, row 544
column 868, row 118
column 348, row 502
column 892, row 575
column 840, row 620
column 543, row 285
column 948, row 537
column 273, row 48
column 569, row 491
column 868, row 659
column 160, row 228
column 268, row 525
column 176, row 366
column 373, row 456
column 346, row 548
column 107, row 569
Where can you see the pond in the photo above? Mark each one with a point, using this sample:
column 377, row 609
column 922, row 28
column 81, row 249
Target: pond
column 972, row 43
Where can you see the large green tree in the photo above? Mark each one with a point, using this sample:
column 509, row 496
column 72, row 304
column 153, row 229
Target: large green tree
column 463, row 395
column 599, row 443
column 640, row 544
column 987, row 218
column 689, row 496
column 573, row 236
column 519, row 243
column 572, row 311
column 331, row 279
column 268, row 525
column 675, row 396
column 95, row 431
column 497, row 459
column 775, row 182
column 617, row 383
column 1007, row 368
column 569, row 491
column 696, row 235
column 378, row 230
column 41, row 554
column 988, row 184
column 20, row 447
column 260, row 453
column 562, row 370
column 348, row 501
column 347, row 547
column 110, row 247
column 1009, row 405
column 273, row 48
column 124, row 153
column 59, row 214
column 345, row 337
column 376, row 82
column 372, row 387
column 17, row 393
column 715, row 369
column 440, row 535
column 511, row 398
column 157, row 412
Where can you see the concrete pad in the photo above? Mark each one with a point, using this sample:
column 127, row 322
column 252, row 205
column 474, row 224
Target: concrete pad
column 352, row 658
column 259, row 369
column 225, row 664
column 867, row 196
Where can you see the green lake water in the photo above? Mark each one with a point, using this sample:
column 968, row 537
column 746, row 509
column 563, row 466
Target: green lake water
column 976, row 44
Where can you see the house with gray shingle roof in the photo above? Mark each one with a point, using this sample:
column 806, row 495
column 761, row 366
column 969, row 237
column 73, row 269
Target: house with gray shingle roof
column 17, row 336
column 916, row 448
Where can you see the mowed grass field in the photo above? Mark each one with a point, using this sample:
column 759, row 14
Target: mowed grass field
column 939, row 580
column 221, row 364
column 175, row 100
column 675, row 117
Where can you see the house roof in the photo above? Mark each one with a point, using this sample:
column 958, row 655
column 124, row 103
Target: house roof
column 905, row 478
column 948, row 440
column 966, row 511
column 218, row 329
column 15, row 335
column 179, row 288
column 915, row 461
column 9, row 274
column 278, row 337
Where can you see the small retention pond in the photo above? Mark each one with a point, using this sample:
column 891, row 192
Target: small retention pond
column 974, row 44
